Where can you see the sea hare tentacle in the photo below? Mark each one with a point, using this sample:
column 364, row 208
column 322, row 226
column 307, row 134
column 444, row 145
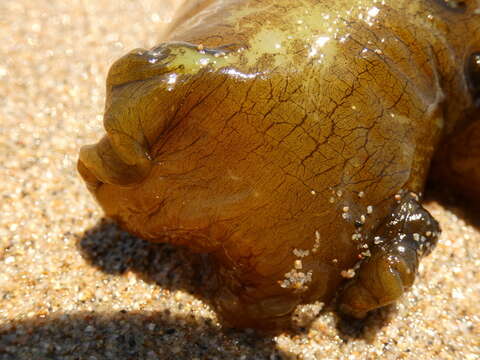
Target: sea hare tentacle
column 390, row 269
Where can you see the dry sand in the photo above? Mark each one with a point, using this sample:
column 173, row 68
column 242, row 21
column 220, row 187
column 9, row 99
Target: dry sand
column 75, row 287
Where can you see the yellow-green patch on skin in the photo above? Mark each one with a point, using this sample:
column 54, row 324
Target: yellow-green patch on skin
column 268, row 41
column 310, row 26
column 188, row 59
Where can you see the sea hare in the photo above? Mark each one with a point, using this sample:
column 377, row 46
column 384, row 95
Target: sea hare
column 291, row 141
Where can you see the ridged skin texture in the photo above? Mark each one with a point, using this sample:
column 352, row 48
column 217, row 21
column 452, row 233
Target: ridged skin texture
column 291, row 141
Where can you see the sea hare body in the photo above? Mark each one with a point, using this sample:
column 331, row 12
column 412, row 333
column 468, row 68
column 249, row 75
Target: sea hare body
column 291, row 140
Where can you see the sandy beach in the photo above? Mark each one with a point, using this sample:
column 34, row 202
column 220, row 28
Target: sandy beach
column 74, row 286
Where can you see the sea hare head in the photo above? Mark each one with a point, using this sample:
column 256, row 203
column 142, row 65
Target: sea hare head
column 276, row 148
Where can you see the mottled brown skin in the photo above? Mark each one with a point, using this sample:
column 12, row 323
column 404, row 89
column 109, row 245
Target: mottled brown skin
column 289, row 140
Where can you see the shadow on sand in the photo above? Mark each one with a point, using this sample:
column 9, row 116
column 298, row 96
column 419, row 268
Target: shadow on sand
column 133, row 335
column 128, row 335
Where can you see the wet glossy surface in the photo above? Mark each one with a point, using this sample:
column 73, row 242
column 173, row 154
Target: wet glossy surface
column 280, row 136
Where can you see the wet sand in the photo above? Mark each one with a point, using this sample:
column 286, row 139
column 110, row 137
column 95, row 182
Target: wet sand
column 74, row 286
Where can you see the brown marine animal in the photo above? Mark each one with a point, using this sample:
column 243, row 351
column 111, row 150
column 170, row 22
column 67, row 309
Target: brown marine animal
column 291, row 141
